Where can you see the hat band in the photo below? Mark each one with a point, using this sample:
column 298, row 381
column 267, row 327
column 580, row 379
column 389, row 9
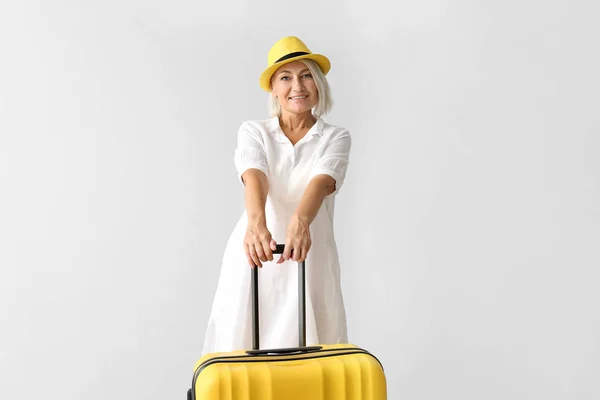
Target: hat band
column 291, row 55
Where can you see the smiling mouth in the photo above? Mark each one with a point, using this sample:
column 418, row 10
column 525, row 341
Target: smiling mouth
column 297, row 97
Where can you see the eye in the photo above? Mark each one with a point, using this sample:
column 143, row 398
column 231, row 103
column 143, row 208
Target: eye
column 309, row 75
column 283, row 78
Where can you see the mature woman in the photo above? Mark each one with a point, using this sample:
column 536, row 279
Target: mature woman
column 292, row 166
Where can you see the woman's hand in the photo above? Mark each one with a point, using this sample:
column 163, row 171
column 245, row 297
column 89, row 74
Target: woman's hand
column 298, row 241
column 258, row 243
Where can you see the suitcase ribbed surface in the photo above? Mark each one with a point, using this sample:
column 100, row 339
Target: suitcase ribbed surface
column 339, row 372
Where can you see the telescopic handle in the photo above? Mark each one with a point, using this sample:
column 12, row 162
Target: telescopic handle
column 301, row 303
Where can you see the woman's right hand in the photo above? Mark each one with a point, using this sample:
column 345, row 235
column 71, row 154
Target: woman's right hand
column 258, row 243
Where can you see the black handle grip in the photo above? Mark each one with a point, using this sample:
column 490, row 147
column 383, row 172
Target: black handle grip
column 291, row 350
column 301, row 303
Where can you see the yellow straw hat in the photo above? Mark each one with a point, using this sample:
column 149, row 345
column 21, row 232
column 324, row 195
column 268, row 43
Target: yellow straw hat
column 286, row 50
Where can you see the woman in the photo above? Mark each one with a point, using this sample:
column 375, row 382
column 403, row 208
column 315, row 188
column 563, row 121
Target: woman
column 292, row 166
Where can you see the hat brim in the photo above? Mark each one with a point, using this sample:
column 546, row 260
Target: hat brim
column 265, row 77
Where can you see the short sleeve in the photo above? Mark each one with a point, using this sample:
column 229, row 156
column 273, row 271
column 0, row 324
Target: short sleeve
column 334, row 159
column 250, row 151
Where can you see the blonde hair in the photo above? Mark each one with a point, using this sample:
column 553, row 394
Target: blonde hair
column 325, row 102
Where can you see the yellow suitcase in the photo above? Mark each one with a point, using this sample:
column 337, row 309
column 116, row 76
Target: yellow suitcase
column 323, row 372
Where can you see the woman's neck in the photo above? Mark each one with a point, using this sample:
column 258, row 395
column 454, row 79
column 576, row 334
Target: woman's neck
column 295, row 122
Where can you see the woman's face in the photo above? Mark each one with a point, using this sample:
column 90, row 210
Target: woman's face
column 295, row 88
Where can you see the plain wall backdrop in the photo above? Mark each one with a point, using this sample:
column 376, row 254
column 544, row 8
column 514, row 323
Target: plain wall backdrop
column 468, row 227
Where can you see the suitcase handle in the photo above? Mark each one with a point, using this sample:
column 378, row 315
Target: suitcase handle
column 301, row 310
column 290, row 350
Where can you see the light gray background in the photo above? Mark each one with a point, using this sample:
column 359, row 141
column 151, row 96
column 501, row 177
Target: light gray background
column 467, row 228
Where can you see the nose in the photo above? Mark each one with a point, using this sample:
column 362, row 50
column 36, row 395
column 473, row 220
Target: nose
column 297, row 86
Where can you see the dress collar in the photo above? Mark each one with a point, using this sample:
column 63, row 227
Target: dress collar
column 316, row 129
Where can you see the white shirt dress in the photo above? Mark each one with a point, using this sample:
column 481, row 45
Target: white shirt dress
column 262, row 145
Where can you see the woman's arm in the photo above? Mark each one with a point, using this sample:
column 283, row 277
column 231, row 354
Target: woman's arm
column 258, row 242
column 319, row 187
column 255, row 194
column 298, row 236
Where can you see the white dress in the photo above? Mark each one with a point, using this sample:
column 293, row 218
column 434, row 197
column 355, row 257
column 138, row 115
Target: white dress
column 262, row 145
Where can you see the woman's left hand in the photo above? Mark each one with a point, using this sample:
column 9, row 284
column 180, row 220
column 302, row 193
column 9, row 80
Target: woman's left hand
column 297, row 241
